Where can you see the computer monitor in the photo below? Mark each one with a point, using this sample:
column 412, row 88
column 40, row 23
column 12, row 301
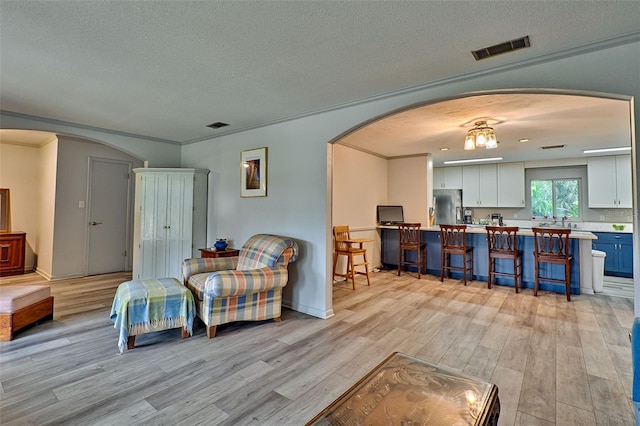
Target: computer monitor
column 390, row 215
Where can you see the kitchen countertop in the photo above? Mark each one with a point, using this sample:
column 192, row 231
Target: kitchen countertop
column 480, row 229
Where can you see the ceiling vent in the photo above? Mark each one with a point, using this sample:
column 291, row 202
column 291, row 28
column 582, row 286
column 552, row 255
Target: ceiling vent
column 217, row 125
column 497, row 49
column 552, row 146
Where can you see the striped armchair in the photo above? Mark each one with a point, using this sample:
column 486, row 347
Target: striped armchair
column 243, row 288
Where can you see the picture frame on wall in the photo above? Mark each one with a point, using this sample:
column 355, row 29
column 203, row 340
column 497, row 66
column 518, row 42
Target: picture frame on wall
column 253, row 173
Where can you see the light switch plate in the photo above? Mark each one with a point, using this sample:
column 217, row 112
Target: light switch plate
column 81, row 204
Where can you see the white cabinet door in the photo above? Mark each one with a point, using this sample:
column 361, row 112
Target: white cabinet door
column 623, row 181
column 179, row 221
column 488, row 185
column 164, row 220
column 149, row 235
column 447, row 178
column 470, row 188
column 511, row 185
column 609, row 181
column 479, row 186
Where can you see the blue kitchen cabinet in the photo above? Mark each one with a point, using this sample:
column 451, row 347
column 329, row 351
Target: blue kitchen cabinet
column 619, row 250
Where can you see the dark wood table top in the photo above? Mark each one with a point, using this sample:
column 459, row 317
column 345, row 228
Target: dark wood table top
column 407, row 390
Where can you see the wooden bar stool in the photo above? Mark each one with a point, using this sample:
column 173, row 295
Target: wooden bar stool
column 409, row 240
column 344, row 246
column 502, row 242
column 551, row 245
column 453, row 240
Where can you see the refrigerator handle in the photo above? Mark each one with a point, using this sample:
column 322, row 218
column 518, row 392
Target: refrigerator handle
column 458, row 215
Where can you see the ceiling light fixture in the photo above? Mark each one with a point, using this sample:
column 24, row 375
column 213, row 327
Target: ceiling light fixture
column 593, row 151
column 473, row 160
column 480, row 136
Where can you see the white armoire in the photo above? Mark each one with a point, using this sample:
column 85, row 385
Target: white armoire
column 169, row 220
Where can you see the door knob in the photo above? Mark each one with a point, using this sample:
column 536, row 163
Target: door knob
column 96, row 223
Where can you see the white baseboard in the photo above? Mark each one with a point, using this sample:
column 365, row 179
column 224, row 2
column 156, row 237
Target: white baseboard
column 308, row 310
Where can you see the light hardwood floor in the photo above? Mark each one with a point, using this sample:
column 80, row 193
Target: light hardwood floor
column 555, row 362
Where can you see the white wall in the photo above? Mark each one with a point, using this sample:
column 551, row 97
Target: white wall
column 298, row 204
column 20, row 171
column 69, row 244
column 47, row 208
column 408, row 187
column 359, row 185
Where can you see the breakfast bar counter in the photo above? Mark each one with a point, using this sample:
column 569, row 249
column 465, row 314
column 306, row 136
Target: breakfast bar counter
column 581, row 268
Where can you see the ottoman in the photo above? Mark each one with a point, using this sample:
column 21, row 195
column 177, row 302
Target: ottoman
column 21, row 306
column 144, row 306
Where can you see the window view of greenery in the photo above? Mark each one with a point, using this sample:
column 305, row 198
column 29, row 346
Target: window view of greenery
column 557, row 197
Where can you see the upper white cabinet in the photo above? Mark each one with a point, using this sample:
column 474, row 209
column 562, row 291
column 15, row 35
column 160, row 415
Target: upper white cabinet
column 609, row 181
column 511, row 185
column 447, row 178
column 170, row 220
column 480, row 186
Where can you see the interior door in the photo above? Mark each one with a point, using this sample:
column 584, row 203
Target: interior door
column 108, row 215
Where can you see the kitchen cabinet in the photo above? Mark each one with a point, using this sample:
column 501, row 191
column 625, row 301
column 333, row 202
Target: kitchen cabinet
column 170, row 220
column 619, row 252
column 480, row 186
column 511, row 185
column 447, row 178
column 609, row 181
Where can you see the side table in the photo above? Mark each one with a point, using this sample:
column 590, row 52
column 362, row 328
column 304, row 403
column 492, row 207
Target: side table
column 211, row 252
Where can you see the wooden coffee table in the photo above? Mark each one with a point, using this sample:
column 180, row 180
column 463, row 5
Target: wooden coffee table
column 407, row 390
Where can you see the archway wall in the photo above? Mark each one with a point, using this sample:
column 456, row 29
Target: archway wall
column 299, row 198
column 157, row 153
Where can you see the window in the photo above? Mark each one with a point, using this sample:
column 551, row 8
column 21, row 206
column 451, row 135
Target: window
column 555, row 198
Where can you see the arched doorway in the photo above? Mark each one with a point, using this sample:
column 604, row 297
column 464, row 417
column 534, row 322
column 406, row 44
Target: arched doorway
column 546, row 118
column 53, row 198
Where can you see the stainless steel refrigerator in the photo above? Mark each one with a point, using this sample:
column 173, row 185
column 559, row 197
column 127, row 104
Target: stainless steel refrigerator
column 448, row 206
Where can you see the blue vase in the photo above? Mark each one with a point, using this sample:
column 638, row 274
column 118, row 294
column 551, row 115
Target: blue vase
column 220, row 245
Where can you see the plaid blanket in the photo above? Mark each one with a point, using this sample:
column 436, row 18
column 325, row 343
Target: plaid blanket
column 143, row 306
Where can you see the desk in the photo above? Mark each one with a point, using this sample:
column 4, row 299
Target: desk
column 407, row 390
column 210, row 252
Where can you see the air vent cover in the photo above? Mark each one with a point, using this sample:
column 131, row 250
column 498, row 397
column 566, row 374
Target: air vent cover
column 497, row 49
column 217, row 125
column 552, row 146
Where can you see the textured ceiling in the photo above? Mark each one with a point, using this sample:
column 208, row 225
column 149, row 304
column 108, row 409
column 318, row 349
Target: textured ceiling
column 166, row 69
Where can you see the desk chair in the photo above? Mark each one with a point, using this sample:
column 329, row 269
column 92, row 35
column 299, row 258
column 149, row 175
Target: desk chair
column 453, row 240
column 409, row 240
column 344, row 246
column 551, row 245
column 502, row 242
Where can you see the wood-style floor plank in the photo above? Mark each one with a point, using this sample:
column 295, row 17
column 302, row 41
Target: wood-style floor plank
column 555, row 362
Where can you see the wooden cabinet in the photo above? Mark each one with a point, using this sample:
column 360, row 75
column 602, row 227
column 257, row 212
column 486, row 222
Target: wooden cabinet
column 619, row 252
column 511, row 185
column 447, row 178
column 12, row 247
column 170, row 220
column 480, row 186
column 609, row 181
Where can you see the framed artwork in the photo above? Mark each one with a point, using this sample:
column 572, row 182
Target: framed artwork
column 253, row 173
